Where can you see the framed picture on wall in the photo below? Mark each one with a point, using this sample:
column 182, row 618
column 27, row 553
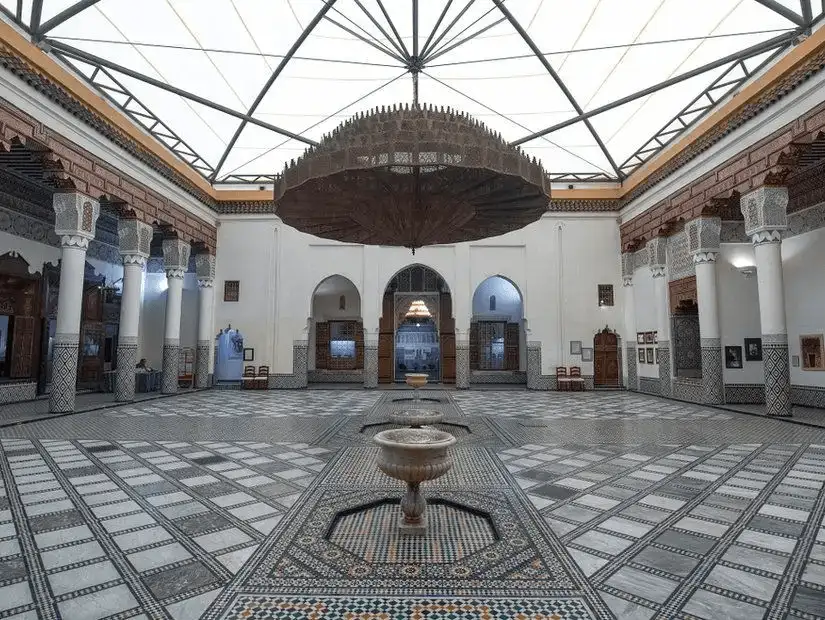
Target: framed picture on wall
column 248, row 355
column 575, row 347
column 648, row 337
column 813, row 352
column 657, row 355
column 753, row 349
column 640, row 337
column 795, row 361
column 733, row 357
column 649, row 354
column 587, row 354
column 655, row 337
column 642, row 355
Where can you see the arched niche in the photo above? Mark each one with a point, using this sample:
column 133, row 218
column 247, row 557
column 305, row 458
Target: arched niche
column 408, row 343
column 336, row 328
column 497, row 339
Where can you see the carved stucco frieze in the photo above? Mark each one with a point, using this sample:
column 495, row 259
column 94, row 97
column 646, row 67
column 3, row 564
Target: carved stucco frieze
column 205, row 269
column 134, row 237
column 703, row 235
column 765, row 210
column 657, row 256
column 75, row 216
column 628, row 268
column 176, row 257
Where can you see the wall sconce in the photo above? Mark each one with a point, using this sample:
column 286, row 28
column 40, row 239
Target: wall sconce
column 747, row 271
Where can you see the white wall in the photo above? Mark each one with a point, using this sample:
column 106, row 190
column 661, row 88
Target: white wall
column 153, row 316
column 279, row 268
column 646, row 318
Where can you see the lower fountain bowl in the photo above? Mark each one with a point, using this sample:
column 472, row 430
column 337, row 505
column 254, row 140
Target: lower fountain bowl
column 414, row 454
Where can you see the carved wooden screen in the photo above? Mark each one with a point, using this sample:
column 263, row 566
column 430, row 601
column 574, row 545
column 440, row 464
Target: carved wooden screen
column 343, row 334
column 474, row 346
column 321, row 345
column 359, row 345
column 447, row 333
column 491, row 345
column 386, row 332
column 511, row 346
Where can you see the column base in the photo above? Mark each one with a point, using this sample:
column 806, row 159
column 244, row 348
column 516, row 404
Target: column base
column 462, row 365
column 299, row 363
column 665, row 379
column 713, row 387
column 202, row 365
column 125, row 377
column 777, row 375
column 171, row 359
column 64, row 374
column 632, row 381
column 371, row 366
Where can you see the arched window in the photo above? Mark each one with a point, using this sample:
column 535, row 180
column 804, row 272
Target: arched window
column 492, row 303
column 342, row 302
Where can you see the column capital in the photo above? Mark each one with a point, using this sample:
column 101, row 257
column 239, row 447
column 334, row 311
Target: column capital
column 75, row 216
column 175, row 257
column 134, row 238
column 133, row 259
column 657, row 256
column 205, row 269
column 628, row 268
column 703, row 236
column 766, row 213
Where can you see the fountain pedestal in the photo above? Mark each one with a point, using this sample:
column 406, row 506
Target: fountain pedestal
column 414, row 455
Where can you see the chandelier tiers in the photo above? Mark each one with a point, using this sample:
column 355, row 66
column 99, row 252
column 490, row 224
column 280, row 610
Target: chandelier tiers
column 418, row 311
column 411, row 176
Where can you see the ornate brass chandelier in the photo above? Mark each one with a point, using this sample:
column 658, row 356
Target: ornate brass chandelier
column 418, row 311
column 411, row 176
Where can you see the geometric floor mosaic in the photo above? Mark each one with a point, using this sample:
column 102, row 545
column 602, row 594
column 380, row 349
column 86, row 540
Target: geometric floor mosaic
column 224, row 505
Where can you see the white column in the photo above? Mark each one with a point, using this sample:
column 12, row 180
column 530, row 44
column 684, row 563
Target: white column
column 134, row 237
column 176, row 262
column 631, row 360
column 766, row 216
column 703, row 243
column 75, row 218
column 205, row 269
column 657, row 260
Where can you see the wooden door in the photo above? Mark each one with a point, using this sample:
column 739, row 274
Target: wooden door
column 92, row 339
column 359, row 345
column 386, row 335
column 447, row 338
column 474, row 346
column 606, row 359
column 511, row 346
column 321, row 345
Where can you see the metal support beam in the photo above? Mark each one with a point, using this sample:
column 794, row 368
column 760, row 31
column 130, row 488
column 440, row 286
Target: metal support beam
column 315, row 20
column 97, row 61
column 373, row 43
column 415, row 27
column 427, row 49
column 437, row 24
column 68, row 13
column 807, row 11
column 784, row 11
column 399, row 45
column 37, row 13
column 405, row 53
column 543, row 59
column 452, row 46
column 749, row 52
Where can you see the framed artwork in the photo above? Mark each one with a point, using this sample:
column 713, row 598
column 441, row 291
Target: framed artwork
column 657, row 355
column 813, row 352
column 655, row 337
column 733, row 357
column 795, row 361
column 248, row 355
column 575, row 347
column 640, row 337
column 587, row 355
column 753, row 349
column 648, row 337
column 642, row 355
column 649, row 355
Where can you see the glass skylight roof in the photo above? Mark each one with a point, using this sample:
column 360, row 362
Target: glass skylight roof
column 332, row 59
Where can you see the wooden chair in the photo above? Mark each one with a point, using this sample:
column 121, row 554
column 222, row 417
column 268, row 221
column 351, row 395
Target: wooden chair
column 562, row 380
column 263, row 378
column 576, row 379
column 249, row 378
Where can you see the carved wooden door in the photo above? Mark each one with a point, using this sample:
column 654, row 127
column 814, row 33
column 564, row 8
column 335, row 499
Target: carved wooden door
column 474, row 357
column 386, row 336
column 511, row 344
column 606, row 359
column 92, row 339
column 321, row 345
column 359, row 345
column 447, row 339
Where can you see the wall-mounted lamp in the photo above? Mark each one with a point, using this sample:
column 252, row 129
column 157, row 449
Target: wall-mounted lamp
column 747, row 271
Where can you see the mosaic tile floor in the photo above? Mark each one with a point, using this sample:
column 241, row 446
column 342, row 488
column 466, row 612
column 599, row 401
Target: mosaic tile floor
column 268, row 505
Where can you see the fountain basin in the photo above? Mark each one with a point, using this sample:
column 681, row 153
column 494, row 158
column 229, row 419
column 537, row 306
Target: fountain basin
column 416, row 379
column 414, row 454
column 416, row 417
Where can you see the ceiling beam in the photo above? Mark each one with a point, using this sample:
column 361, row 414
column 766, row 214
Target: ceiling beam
column 784, row 11
column 437, row 24
column 548, row 67
column 406, row 54
column 68, row 13
column 73, row 52
column 449, row 27
column 37, row 13
column 248, row 116
column 807, row 11
column 754, row 50
column 401, row 49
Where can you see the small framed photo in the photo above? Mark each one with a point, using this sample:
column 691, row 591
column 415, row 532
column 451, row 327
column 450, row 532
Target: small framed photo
column 248, row 355
column 575, row 347
column 587, row 354
column 812, row 347
column 642, row 355
column 649, row 354
column 648, row 337
column 753, row 349
column 655, row 337
column 733, row 357
column 640, row 337
column 657, row 355
column 795, row 361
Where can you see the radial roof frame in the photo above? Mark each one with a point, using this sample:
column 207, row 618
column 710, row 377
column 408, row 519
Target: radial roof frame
column 455, row 27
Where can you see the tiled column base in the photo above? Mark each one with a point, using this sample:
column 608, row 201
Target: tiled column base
column 125, row 377
column 713, row 389
column 777, row 375
column 632, row 381
column 299, row 363
column 462, row 365
column 64, row 373
column 371, row 365
column 171, row 358
column 665, row 387
column 202, row 364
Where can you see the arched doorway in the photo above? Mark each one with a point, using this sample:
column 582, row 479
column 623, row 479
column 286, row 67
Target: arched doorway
column 417, row 330
column 496, row 326
column 606, row 364
column 336, row 330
